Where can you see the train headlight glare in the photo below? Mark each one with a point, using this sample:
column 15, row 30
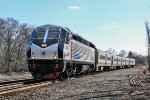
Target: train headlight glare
column 55, row 57
column 33, row 57
column 44, row 45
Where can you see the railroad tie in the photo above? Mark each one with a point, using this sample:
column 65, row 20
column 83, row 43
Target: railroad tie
column 133, row 80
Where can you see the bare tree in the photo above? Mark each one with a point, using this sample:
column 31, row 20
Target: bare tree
column 139, row 58
column 1, row 42
column 122, row 53
column 111, row 51
column 148, row 41
column 14, row 41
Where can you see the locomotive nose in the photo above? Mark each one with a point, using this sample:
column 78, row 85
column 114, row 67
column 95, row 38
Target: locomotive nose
column 49, row 52
column 43, row 45
column 43, row 52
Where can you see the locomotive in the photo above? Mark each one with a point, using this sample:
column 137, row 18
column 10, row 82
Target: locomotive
column 57, row 52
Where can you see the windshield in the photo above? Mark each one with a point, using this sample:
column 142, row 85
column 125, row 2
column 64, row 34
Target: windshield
column 53, row 35
column 40, row 33
column 39, row 36
column 51, row 38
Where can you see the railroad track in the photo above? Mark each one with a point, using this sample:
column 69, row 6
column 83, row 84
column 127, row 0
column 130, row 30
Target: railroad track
column 14, row 85
column 11, row 87
column 20, row 85
column 133, row 81
column 4, row 80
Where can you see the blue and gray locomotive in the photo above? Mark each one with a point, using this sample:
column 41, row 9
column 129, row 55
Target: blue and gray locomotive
column 57, row 52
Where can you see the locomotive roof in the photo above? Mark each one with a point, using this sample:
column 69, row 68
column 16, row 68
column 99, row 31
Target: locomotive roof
column 67, row 29
column 48, row 25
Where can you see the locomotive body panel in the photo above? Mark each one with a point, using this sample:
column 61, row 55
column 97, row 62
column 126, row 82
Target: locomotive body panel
column 44, row 53
column 82, row 53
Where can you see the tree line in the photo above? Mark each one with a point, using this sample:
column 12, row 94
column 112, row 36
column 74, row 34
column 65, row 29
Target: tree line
column 14, row 39
column 139, row 58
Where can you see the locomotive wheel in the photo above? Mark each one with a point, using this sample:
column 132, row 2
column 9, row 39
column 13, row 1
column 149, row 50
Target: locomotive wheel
column 63, row 75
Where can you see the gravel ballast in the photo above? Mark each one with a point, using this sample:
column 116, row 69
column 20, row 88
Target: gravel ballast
column 112, row 85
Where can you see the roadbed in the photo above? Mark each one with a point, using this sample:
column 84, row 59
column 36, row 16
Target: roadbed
column 111, row 85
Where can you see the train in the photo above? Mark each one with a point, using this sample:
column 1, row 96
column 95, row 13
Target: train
column 57, row 52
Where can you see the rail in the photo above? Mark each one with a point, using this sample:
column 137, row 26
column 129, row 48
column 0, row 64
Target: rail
column 10, row 87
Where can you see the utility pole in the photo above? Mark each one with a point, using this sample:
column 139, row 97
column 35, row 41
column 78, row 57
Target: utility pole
column 148, row 41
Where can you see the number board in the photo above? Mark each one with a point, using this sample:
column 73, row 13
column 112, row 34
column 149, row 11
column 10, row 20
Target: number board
column 41, row 29
column 53, row 29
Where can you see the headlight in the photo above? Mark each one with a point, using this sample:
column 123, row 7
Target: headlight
column 44, row 45
column 55, row 57
column 33, row 57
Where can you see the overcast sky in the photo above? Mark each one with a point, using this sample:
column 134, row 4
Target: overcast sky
column 117, row 24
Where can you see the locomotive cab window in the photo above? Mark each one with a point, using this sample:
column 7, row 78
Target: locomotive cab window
column 52, row 36
column 39, row 36
column 40, row 33
column 67, row 37
column 74, row 37
column 62, row 36
column 91, row 45
column 80, row 39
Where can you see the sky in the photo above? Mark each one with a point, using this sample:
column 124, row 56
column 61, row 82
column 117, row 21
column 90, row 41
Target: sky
column 116, row 24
